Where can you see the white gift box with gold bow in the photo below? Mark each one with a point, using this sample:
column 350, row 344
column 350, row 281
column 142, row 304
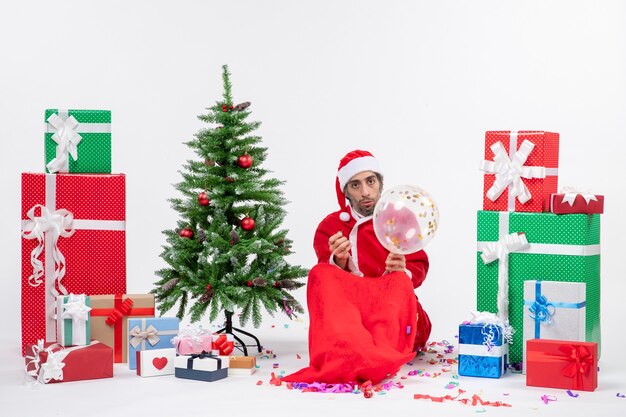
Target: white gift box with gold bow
column 149, row 334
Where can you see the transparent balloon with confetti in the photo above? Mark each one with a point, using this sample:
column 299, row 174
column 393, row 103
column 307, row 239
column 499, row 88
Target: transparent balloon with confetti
column 405, row 219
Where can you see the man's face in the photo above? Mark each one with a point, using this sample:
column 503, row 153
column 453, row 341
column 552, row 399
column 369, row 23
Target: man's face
column 363, row 191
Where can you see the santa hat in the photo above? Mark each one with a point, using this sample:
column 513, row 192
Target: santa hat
column 353, row 163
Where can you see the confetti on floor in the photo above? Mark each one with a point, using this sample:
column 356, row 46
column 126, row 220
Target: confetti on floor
column 547, row 398
column 571, row 394
column 620, row 395
column 473, row 401
column 452, row 385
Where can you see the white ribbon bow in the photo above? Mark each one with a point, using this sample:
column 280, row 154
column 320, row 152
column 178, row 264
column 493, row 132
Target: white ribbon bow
column 150, row 334
column 500, row 250
column 510, row 172
column 67, row 140
column 487, row 318
column 570, row 194
column 52, row 368
column 54, row 225
column 75, row 308
column 194, row 333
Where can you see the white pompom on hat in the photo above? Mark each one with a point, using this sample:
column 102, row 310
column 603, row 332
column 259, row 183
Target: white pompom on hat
column 353, row 163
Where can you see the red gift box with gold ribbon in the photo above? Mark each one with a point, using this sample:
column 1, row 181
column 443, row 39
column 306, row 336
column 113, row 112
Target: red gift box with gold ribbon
column 521, row 170
column 73, row 241
column 109, row 319
column 562, row 364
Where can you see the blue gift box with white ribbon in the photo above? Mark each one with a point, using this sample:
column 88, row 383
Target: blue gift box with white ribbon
column 149, row 334
column 554, row 310
column 483, row 350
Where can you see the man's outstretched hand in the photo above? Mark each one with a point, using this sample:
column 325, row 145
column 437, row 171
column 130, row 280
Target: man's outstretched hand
column 340, row 248
column 395, row 262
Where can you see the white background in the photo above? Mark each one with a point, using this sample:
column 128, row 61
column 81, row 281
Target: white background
column 417, row 83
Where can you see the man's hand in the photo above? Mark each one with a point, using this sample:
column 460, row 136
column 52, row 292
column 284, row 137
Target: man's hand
column 395, row 262
column 340, row 247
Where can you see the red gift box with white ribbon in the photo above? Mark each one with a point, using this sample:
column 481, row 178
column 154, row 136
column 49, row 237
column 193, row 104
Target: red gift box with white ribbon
column 51, row 362
column 521, row 170
column 574, row 201
column 73, row 240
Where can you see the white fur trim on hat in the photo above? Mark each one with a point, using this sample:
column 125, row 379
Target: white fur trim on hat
column 363, row 163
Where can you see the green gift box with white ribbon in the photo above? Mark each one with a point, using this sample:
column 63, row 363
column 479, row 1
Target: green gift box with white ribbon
column 73, row 320
column 514, row 247
column 78, row 141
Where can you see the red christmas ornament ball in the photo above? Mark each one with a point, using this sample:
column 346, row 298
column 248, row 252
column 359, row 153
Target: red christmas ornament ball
column 186, row 233
column 203, row 199
column 244, row 161
column 277, row 284
column 247, row 223
column 208, row 287
column 249, row 283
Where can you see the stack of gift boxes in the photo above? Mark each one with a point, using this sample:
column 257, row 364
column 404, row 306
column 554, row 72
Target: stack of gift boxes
column 75, row 309
column 538, row 266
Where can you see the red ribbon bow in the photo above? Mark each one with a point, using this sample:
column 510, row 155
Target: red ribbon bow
column 580, row 360
column 223, row 345
column 119, row 312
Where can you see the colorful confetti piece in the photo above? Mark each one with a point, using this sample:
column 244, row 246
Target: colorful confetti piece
column 547, row 398
column 571, row 394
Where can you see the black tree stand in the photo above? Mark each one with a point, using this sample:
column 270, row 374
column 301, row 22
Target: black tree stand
column 229, row 329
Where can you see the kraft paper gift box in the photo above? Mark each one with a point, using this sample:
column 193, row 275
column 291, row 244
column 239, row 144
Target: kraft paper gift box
column 483, row 352
column 148, row 334
column 109, row 319
column 559, row 248
column 577, row 203
column 50, row 362
column 562, row 364
column 73, row 320
column 73, row 240
column 241, row 365
column 521, row 170
column 554, row 310
column 157, row 362
column 78, row 141
column 208, row 367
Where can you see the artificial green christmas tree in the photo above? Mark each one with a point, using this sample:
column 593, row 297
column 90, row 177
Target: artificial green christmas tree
column 228, row 251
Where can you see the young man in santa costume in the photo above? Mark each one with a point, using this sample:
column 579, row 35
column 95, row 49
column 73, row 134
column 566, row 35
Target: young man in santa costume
column 366, row 321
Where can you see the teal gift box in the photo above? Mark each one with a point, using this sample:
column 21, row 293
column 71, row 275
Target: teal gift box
column 73, row 324
column 562, row 248
column 149, row 334
column 78, row 141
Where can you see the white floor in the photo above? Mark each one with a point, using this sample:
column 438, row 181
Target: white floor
column 253, row 395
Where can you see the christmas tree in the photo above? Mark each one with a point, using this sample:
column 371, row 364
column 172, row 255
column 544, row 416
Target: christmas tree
column 228, row 251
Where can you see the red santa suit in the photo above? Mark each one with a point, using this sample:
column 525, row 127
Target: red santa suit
column 364, row 323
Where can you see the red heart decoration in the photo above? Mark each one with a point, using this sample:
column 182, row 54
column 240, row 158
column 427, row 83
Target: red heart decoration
column 159, row 363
